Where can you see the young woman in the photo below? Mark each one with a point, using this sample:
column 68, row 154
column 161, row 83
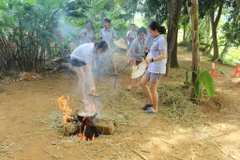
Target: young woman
column 137, row 51
column 82, row 59
column 156, row 67
column 86, row 35
column 108, row 34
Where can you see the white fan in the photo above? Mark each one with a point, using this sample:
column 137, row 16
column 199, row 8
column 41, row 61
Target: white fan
column 139, row 70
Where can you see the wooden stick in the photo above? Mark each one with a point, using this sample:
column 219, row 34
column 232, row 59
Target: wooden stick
column 139, row 154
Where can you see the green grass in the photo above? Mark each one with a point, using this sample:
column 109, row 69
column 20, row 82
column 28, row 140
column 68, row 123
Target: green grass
column 232, row 57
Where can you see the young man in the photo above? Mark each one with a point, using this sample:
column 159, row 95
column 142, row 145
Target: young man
column 108, row 34
column 131, row 35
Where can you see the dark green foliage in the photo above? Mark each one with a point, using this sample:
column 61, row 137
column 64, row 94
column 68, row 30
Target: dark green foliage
column 27, row 35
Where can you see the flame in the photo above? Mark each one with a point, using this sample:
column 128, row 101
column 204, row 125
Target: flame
column 62, row 104
column 86, row 121
column 90, row 108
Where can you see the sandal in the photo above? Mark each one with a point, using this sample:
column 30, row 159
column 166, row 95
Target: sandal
column 146, row 106
column 105, row 74
column 84, row 102
column 150, row 111
column 93, row 94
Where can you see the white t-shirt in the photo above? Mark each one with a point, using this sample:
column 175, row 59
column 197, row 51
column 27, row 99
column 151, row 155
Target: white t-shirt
column 159, row 44
column 131, row 35
column 84, row 52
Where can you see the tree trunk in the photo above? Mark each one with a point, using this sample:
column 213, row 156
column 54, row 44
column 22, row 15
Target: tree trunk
column 214, row 37
column 214, row 30
column 195, row 43
column 184, row 33
column 226, row 48
column 174, row 8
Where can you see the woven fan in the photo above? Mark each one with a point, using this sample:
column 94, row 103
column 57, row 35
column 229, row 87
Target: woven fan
column 121, row 43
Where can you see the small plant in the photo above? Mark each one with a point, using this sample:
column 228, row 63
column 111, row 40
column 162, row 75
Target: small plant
column 203, row 79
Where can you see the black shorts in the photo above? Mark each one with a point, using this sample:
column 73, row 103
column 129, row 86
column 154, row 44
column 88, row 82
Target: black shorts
column 77, row 63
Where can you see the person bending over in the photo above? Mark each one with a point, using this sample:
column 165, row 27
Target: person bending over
column 82, row 59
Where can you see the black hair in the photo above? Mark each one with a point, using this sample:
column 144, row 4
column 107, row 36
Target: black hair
column 142, row 30
column 88, row 21
column 101, row 45
column 154, row 25
column 133, row 24
column 107, row 20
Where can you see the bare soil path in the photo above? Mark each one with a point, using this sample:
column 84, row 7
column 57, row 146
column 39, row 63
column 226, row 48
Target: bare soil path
column 27, row 110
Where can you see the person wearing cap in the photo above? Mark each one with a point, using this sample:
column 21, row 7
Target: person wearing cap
column 131, row 35
column 108, row 34
column 86, row 35
column 82, row 59
column 136, row 52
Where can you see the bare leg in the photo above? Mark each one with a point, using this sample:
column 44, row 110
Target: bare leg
column 89, row 78
column 143, row 84
column 136, row 84
column 154, row 93
column 81, row 80
column 113, row 63
column 105, row 61
column 133, row 63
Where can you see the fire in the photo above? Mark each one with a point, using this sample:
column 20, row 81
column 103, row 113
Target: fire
column 86, row 117
column 85, row 129
column 62, row 104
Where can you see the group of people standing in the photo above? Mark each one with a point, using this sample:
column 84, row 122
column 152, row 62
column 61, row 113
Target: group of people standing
column 140, row 43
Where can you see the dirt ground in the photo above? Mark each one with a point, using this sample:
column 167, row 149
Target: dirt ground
column 27, row 109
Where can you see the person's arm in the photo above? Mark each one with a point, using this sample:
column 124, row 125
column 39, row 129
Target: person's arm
column 114, row 35
column 131, row 49
column 100, row 35
column 162, row 56
column 162, row 47
column 129, row 54
column 94, row 63
column 91, row 79
column 127, row 35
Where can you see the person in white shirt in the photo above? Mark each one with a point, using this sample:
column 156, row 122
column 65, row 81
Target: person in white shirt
column 131, row 35
column 108, row 34
column 82, row 59
column 156, row 67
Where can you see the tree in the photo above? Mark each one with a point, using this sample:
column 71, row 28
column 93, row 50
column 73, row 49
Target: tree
column 193, row 10
column 174, row 9
column 231, row 27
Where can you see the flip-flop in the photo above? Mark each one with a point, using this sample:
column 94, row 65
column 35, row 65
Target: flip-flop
column 93, row 94
column 84, row 103
column 146, row 106
column 105, row 74
column 149, row 111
